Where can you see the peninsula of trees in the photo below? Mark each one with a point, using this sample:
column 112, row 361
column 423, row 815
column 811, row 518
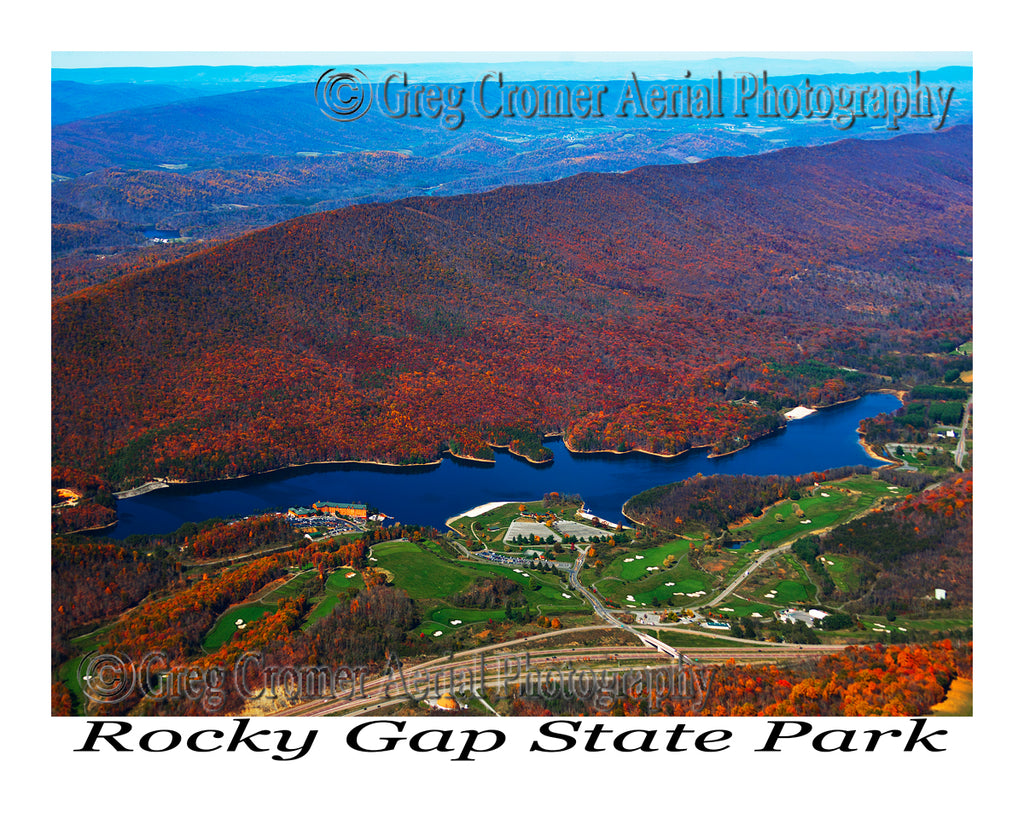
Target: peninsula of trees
column 660, row 309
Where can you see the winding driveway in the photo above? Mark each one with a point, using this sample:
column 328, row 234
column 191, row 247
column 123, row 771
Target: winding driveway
column 753, row 567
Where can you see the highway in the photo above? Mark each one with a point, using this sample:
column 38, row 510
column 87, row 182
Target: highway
column 470, row 673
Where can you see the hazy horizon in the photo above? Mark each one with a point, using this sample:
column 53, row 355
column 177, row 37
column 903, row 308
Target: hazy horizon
column 864, row 60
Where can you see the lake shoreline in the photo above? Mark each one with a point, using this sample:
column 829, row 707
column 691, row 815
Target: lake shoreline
column 870, row 448
column 167, row 483
column 164, row 483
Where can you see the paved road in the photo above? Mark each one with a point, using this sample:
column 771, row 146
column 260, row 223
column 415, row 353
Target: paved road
column 511, row 668
column 442, row 673
column 603, row 612
column 599, row 608
column 140, row 490
column 961, row 445
column 750, row 569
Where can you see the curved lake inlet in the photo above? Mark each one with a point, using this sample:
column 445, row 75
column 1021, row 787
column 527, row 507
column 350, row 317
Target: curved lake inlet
column 432, row 494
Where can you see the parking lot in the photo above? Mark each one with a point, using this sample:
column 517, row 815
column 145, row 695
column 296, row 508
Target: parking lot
column 579, row 531
column 528, row 528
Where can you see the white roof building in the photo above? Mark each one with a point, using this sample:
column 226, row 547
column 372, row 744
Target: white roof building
column 796, row 616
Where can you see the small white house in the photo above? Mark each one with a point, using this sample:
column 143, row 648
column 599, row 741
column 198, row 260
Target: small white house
column 940, row 594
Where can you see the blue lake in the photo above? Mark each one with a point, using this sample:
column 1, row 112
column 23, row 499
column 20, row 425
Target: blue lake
column 155, row 233
column 432, row 494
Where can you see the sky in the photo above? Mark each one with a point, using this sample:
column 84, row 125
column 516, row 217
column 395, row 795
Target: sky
column 102, row 59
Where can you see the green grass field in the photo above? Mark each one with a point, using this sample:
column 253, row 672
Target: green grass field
column 766, row 532
column 422, row 574
column 787, row 592
column 952, row 623
column 225, row 625
column 287, row 590
column 846, row 571
column 744, row 608
column 622, row 579
column 443, row 617
column 69, row 670
column 427, row 574
column 629, row 567
column 336, row 583
column 901, row 625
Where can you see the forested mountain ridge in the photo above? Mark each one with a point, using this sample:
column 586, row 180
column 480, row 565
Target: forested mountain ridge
column 622, row 310
column 232, row 151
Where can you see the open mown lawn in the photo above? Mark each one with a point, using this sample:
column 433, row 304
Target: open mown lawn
column 831, row 504
column 643, row 576
column 226, row 624
column 427, row 574
column 337, row 582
